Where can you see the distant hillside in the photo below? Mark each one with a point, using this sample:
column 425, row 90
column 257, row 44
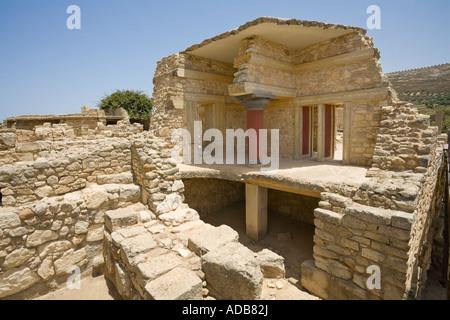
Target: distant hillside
column 428, row 88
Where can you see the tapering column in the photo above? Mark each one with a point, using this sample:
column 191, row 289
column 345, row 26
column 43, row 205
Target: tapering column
column 255, row 120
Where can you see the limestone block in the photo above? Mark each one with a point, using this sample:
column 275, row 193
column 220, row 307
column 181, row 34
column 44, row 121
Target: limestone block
column 143, row 243
column 122, row 178
column 146, row 216
column 119, row 218
column 43, row 192
column 8, row 219
column 177, row 185
column 69, row 259
column 18, row 257
column 46, row 270
column 178, row 284
column 129, row 193
column 25, row 147
column 81, row 227
column 158, row 266
column 7, row 139
column 39, row 237
column 54, row 248
column 211, row 238
column 271, row 264
column 95, row 197
column 95, row 233
column 25, row 214
column 123, row 283
column 171, row 202
column 233, row 273
column 132, row 231
column 16, row 280
column 179, row 216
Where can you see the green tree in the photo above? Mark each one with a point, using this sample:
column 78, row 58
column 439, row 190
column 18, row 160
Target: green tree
column 136, row 103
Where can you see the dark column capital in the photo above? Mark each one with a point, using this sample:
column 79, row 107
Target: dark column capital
column 254, row 104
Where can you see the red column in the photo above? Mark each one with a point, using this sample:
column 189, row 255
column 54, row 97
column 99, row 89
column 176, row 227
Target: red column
column 255, row 120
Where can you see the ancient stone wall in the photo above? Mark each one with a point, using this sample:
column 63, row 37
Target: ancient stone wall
column 53, row 205
column 41, row 243
column 388, row 222
column 157, row 173
column 295, row 206
column 57, row 162
column 207, row 196
column 282, row 119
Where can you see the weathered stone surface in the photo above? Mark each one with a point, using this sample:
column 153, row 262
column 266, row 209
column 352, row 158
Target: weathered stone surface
column 95, row 197
column 28, row 147
column 140, row 244
column 18, row 257
column 129, row 193
column 81, row 227
column 233, row 273
column 16, row 280
column 95, row 233
column 122, row 178
column 171, row 202
column 327, row 287
column 123, row 283
column 26, row 214
column 8, row 219
column 211, row 238
column 179, row 216
column 146, row 216
column 178, row 284
column 119, row 218
column 158, row 266
column 39, row 237
column 54, row 248
column 46, row 270
column 271, row 264
column 69, row 259
column 43, row 192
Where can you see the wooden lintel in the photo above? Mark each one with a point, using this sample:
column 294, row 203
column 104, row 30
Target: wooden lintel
column 282, row 187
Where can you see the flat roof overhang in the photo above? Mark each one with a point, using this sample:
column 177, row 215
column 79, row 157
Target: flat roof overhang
column 292, row 33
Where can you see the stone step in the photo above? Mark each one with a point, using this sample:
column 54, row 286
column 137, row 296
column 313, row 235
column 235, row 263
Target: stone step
column 123, row 217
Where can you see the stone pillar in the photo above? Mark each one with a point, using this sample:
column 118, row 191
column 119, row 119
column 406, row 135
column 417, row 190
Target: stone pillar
column 255, row 120
column 320, row 132
column 347, row 133
column 255, row 212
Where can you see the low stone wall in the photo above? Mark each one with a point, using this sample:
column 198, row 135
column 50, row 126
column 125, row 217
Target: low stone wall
column 41, row 243
column 211, row 195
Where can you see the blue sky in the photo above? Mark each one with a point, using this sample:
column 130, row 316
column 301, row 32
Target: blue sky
column 45, row 68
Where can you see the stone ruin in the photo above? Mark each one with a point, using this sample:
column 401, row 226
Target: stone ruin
column 116, row 199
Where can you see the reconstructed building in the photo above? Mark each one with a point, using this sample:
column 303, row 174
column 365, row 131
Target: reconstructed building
column 375, row 206
column 363, row 172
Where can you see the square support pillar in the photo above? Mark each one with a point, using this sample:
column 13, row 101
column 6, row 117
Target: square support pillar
column 347, row 133
column 320, row 132
column 255, row 211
